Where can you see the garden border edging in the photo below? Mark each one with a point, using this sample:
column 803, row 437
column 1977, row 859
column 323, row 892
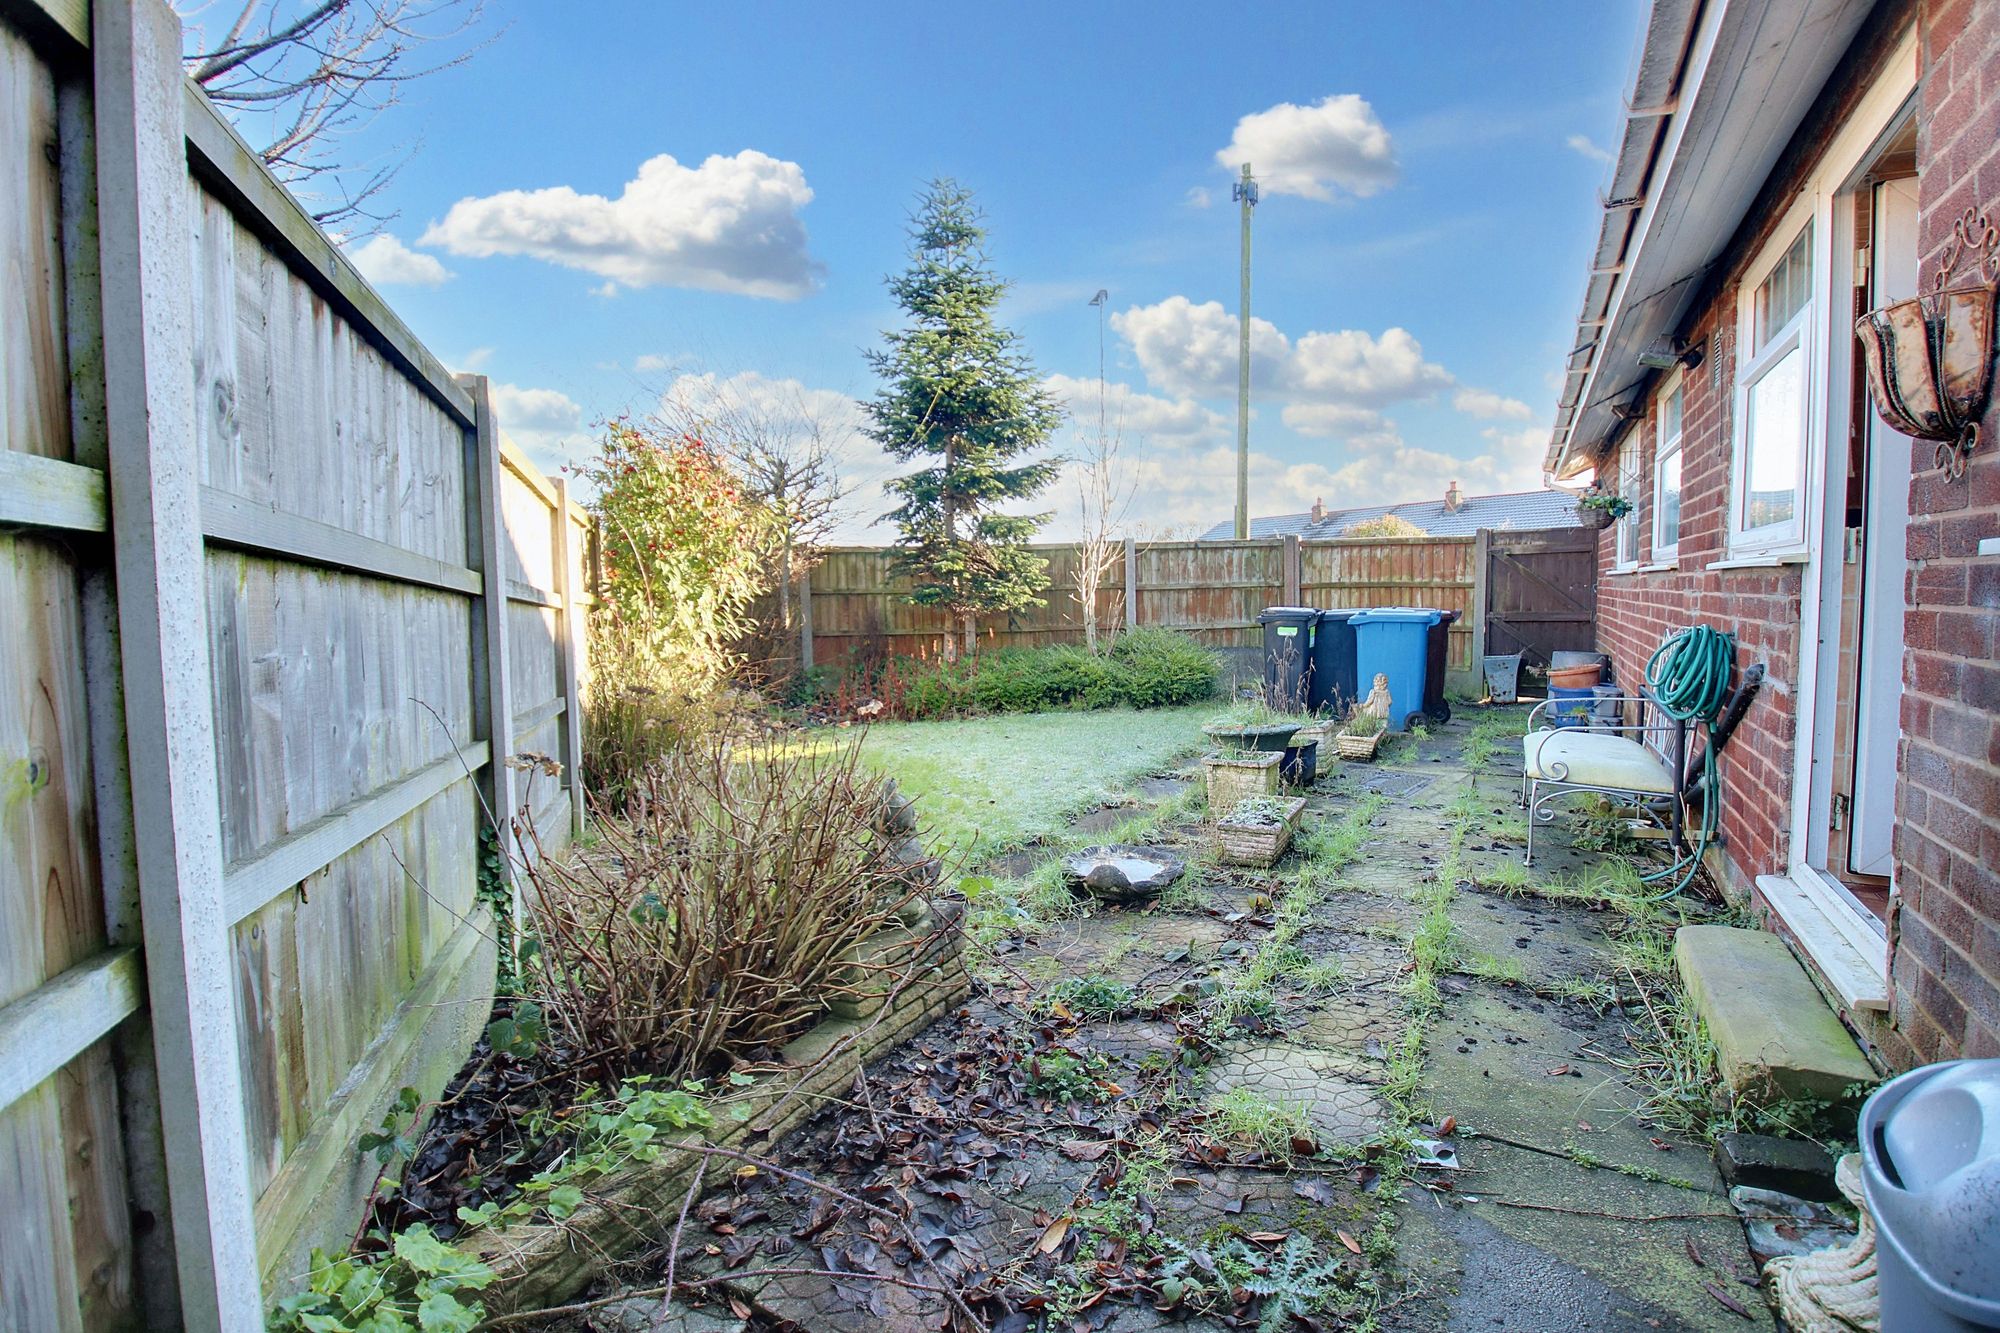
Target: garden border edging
column 539, row 1264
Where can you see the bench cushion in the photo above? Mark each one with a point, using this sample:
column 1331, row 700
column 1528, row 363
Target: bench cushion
column 1594, row 759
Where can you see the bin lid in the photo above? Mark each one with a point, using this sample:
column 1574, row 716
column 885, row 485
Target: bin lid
column 1945, row 1124
column 1407, row 615
column 1339, row 613
column 1930, row 1147
column 1287, row 615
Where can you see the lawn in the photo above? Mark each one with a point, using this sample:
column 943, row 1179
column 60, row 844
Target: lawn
column 990, row 783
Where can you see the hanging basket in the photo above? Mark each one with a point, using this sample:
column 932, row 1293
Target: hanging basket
column 1930, row 358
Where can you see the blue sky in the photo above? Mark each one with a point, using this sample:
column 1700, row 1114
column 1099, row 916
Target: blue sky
column 1430, row 176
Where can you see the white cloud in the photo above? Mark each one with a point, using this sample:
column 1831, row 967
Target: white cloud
column 605, row 290
column 1350, row 366
column 547, row 423
column 1584, row 145
column 1135, row 417
column 1340, row 421
column 730, row 225
column 387, row 262
column 1490, row 406
column 474, row 359
column 1198, row 197
column 651, row 363
column 1315, row 151
column 1191, row 350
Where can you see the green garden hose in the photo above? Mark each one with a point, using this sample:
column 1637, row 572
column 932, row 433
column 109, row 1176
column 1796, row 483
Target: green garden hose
column 1688, row 679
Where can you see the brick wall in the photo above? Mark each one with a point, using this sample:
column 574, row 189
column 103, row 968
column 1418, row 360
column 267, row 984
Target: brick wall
column 1635, row 612
column 1945, row 970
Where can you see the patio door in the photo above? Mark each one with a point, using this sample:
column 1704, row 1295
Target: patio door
column 1878, row 692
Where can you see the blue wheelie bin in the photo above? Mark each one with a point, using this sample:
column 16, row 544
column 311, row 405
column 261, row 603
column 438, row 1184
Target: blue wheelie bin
column 1394, row 642
column 1330, row 688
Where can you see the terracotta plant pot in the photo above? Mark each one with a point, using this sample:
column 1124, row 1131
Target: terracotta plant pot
column 1576, row 677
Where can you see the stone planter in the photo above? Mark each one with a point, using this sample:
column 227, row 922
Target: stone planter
column 1259, row 844
column 1359, row 748
column 1230, row 780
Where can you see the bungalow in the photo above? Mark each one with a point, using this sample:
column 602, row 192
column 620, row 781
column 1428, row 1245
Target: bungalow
column 1785, row 166
column 1457, row 515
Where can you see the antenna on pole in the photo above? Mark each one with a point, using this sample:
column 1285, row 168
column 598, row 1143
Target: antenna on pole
column 1103, row 296
column 1245, row 193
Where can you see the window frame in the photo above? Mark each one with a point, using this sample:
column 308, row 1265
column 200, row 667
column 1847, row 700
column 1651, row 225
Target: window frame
column 1794, row 337
column 1663, row 450
column 1626, row 481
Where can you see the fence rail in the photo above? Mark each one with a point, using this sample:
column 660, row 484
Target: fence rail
column 282, row 602
column 852, row 602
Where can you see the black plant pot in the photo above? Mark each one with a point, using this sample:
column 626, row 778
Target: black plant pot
column 1300, row 766
column 1268, row 738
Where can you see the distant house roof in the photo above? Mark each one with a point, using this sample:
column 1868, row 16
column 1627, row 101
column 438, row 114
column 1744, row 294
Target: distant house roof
column 1519, row 510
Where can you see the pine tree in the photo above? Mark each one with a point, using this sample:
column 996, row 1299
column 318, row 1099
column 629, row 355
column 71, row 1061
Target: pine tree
column 958, row 392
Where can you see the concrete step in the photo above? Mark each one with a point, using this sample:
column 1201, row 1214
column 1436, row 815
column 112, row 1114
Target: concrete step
column 1774, row 1035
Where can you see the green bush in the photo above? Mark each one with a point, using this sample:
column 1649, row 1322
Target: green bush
column 1164, row 667
column 1147, row 668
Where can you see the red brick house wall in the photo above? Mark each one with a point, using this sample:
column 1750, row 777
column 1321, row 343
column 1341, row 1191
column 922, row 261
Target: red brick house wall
column 1945, row 970
column 1945, row 936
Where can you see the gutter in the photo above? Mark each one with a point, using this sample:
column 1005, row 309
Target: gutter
column 1658, row 117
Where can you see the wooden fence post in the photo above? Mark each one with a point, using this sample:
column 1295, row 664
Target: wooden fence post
column 1131, row 582
column 1482, row 549
column 147, row 278
column 805, row 619
column 492, row 699
column 573, row 648
column 1291, row 569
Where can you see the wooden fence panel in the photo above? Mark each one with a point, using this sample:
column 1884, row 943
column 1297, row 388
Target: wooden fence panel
column 309, row 530
column 66, row 1262
column 1395, row 571
column 1212, row 590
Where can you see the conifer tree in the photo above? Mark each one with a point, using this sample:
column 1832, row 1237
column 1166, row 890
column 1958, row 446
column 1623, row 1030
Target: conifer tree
column 959, row 393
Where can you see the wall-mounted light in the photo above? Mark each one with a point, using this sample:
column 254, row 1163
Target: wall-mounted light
column 1930, row 358
column 1666, row 353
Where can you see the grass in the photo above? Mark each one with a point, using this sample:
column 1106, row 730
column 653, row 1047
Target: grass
column 1249, row 1117
column 984, row 785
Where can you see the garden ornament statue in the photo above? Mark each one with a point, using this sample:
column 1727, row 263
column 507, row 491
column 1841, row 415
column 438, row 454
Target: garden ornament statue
column 1832, row 1290
column 1378, row 701
column 1930, row 358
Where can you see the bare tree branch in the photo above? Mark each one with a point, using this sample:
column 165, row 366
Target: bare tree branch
column 301, row 77
column 1104, row 498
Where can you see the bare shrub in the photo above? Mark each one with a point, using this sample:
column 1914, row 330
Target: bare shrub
column 720, row 916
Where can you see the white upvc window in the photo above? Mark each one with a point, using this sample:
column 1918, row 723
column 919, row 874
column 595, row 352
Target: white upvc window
column 1767, row 505
column 1667, row 473
column 1628, row 487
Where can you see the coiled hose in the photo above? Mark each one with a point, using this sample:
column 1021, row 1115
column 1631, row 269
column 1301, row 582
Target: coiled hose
column 1688, row 678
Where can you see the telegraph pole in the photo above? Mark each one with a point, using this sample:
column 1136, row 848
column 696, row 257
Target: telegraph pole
column 1244, row 193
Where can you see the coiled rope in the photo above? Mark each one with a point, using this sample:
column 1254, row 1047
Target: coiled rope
column 1688, row 679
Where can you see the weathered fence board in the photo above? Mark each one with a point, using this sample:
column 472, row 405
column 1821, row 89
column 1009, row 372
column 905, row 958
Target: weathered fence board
column 327, row 577
column 1212, row 590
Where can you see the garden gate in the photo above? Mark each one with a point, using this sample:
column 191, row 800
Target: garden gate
column 1540, row 591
